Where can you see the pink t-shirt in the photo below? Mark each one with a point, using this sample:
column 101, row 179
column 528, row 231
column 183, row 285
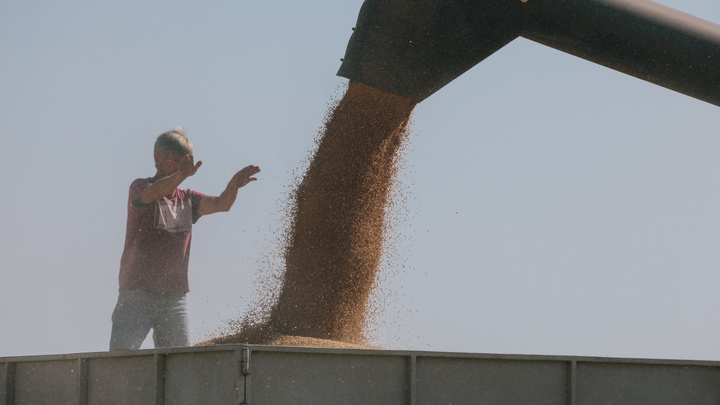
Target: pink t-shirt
column 157, row 240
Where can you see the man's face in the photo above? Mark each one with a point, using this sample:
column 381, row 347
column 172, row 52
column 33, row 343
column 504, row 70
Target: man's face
column 168, row 163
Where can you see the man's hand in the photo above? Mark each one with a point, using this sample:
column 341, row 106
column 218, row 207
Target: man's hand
column 210, row 205
column 244, row 176
column 188, row 166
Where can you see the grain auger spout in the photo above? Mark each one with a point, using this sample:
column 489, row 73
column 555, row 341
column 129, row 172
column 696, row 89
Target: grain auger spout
column 415, row 47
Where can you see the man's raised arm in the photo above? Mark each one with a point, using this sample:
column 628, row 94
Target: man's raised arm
column 222, row 203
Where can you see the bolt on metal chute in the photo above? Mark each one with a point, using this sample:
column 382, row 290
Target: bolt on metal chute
column 415, row 47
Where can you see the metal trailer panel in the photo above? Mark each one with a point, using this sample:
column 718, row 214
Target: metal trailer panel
column 311, row 377
column 122, row 380
column 4, row 393
column 46, row 383
column 608, row 383
column 201, row 378
column 442, row 380
column 259, row 375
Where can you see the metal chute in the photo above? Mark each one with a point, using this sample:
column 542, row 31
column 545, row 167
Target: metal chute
column 415, row 47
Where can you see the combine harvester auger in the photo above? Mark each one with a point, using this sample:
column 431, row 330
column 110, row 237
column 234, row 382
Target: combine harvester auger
column 415, row 47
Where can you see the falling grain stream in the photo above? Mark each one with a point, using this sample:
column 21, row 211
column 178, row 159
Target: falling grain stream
column 335, row 240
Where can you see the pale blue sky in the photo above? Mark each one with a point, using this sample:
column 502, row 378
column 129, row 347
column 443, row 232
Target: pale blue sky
column 546, row 205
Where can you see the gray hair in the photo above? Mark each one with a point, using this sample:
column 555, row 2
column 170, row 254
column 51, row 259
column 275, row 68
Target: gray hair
column 174, row 141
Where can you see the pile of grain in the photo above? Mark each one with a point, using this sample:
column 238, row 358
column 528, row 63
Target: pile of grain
column 335, row 240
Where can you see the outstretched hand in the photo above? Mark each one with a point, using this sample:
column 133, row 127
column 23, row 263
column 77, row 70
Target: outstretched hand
column 188, row 167
column 244, row 176
column 222, row 203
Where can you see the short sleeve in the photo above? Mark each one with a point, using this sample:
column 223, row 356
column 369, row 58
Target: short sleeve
column 136, row 188
column 195, row 197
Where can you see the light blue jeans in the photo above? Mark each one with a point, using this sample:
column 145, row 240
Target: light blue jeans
column 138, row 311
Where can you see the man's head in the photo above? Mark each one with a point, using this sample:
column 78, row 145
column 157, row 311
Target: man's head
column 174, row 141
column 170, row 148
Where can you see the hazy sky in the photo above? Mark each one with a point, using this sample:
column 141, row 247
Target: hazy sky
column 546, row 205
